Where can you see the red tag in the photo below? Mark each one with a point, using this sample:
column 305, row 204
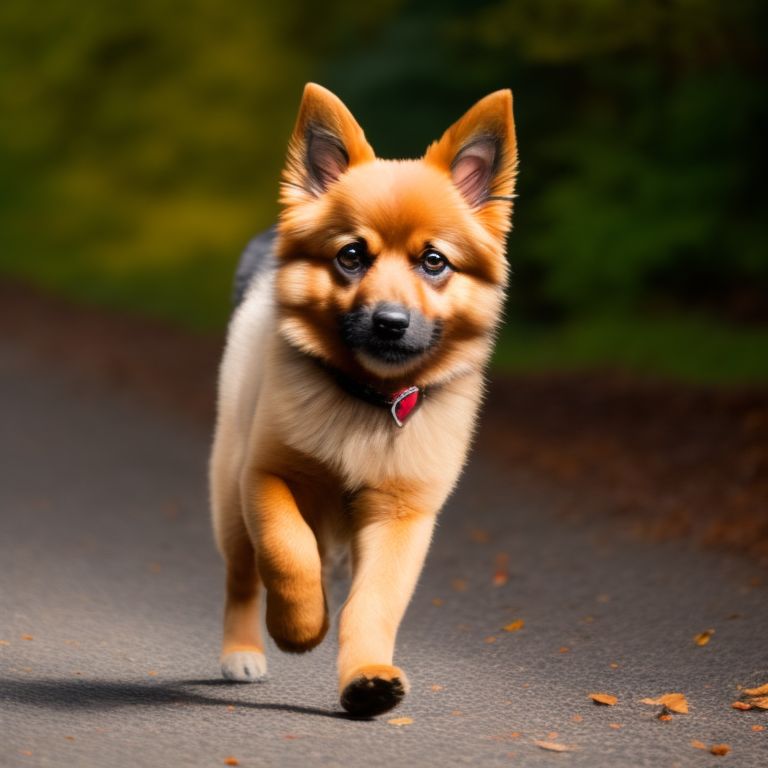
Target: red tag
column 404, row 404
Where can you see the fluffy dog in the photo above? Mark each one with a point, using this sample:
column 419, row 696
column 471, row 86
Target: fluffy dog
column 351, row 381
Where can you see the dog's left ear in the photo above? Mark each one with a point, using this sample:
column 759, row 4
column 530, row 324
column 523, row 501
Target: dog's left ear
column 480, row 151
column 326, row 141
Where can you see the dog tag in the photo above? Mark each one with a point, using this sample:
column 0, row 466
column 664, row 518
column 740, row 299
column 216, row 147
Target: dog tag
column 405, row 404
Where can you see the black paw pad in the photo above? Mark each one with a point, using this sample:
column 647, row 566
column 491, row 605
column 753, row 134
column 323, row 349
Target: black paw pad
column 370, row 696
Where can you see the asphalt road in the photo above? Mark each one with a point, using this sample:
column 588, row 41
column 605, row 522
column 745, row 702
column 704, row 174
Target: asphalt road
column 110, row 598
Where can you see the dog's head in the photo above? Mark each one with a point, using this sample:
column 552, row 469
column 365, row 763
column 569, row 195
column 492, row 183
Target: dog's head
column 395, row 269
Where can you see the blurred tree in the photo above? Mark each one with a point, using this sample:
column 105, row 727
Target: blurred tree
column 141, row 146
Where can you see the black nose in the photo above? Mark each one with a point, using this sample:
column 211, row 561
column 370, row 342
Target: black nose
column 390, row 321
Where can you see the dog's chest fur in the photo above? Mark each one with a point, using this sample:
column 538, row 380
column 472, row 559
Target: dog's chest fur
column 277, row 396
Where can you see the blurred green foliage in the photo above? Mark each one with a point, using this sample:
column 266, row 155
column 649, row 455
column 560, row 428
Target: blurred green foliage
column 140, row 147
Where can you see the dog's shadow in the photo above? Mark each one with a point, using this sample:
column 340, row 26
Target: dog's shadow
column 105, row 694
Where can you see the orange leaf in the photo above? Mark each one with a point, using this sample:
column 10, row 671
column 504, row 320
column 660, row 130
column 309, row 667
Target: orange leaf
column 703, row 637
column 696, row 744
column 553, row 746
column 603, row 698
column 742, row 705
column 514, row 626
column 231, row 761
column 758, row 727
column 720, row 749
column 761, row 691
column 400, row 721
column 760, row 702
column 674, row 702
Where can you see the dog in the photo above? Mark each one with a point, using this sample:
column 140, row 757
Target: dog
column 351, row 381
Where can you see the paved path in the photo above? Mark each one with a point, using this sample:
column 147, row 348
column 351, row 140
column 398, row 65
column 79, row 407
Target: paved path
column 110, row 595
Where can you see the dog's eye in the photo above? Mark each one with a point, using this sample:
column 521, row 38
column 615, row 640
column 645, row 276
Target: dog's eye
column 351, row 257
column 433, row 262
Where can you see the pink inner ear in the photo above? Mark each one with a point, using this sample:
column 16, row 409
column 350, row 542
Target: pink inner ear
column 472, row 170
column 326, row 159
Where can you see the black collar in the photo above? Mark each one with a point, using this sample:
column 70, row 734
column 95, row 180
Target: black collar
column 400, row 404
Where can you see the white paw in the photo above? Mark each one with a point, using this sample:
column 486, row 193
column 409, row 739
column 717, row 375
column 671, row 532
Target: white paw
column 244, row 666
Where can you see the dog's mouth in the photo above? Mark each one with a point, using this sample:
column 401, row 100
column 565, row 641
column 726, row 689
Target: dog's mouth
column 389, row 335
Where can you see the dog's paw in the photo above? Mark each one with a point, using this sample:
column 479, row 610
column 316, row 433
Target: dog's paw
column 244, row 666
column 296, row 627
column 374, row 690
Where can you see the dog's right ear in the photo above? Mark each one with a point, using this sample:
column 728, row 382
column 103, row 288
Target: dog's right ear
column 326, row 141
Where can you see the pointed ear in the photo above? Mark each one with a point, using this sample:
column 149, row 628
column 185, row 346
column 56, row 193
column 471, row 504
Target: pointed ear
column 326, row 141
column 480, row 150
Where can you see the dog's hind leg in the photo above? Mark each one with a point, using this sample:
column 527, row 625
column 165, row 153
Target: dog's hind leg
column 242, row 653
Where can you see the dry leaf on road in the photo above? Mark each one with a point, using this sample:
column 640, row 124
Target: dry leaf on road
column 703, row 637
column 603, row 698
column 553, row 746
column 761, row 691
column 674, row 702
column 514, row 626
column 761, row 702
column 696, row 744
column 400, row 721
column 720, row 749
column 741, row 705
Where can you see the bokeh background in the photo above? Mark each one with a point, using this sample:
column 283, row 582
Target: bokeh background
column 141, row 144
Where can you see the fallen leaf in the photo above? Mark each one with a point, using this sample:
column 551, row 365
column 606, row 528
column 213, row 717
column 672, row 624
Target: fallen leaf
column 490, row 639
column 230, row 707
column 761, row 702
column 552, row 735
column 514, row 626
column 577, row 718
column 758, row 727
column 615, row 726
column 674, row 702
column 761, row 691
column 457, row 713
column 436, row 687
column 603, row 698
column 703, row 637
column 742, row 705
column 696, row 744
column 4, row 642
column 152, row 673
column 613, row 665
column 720, row 749
column 69, row 738
column 398, row 721
column 26, row 752
column 231, row 761
column 553, row 746
column 564, row 649
column 27, row 637
column 501, row 574
column 515, row 735
column 665, row 717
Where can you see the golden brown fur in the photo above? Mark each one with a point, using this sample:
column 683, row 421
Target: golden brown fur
column 300, row 467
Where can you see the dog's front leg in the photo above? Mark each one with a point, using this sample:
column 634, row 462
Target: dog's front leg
column 388, row 550
column 289, row 564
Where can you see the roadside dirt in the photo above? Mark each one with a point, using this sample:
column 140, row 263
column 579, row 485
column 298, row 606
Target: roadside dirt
column 663, row 459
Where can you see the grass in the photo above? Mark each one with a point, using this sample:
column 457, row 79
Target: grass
column 680, row 347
